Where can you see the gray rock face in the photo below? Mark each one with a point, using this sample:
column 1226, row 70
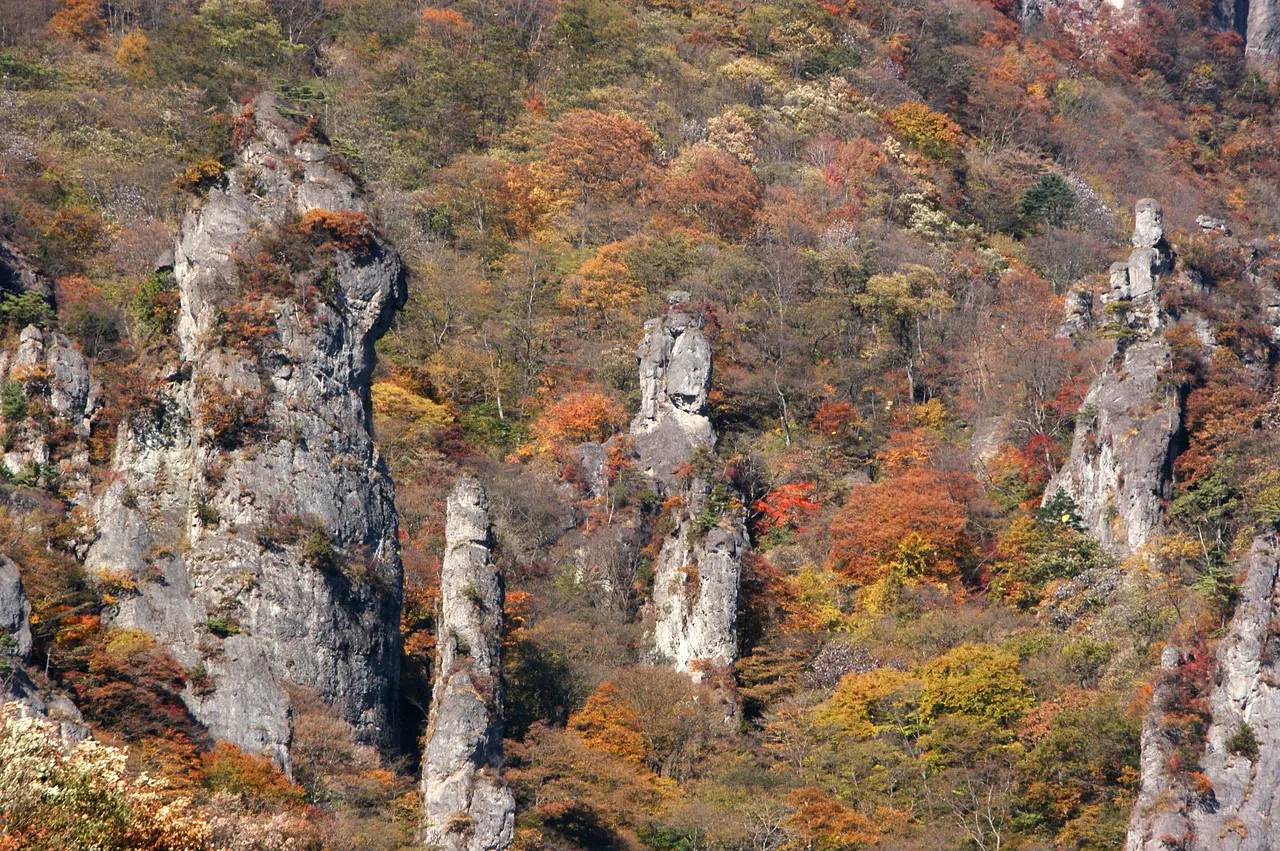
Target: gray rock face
column 15, row 612
column 17, row 687
column 250, row 502
column 1237, row 814
column 52, row 372
column 1077, row 314
column 1148, row 224
column 675, row 377
column 467, row 806
column 695, row 594
column 19, row 275
column 699, row 568
column 1119, row 471
column 15, row 647
column 1261, row 34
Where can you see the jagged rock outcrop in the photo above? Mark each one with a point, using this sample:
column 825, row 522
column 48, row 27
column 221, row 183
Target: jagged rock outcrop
column 1241, row 759
column 466, row 804
column 696, row 587
column 675, row 378
column 52, row 376
column 248, row 501
column 1077, row 314
column 1256, row 21
column 15, row 612
column 1129, row 426
column 699, row 568
column 19, row 275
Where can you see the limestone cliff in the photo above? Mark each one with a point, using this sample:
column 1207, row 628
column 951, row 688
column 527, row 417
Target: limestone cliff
column 49, row 401
column 1258, row 23
column 699, row 568
column 466, row 804
column 1241, row 751
column 47, row 374
column 1128, row 428
column 248, row 500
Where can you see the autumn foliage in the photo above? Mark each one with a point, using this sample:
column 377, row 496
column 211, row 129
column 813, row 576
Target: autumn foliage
column 348, row 230
column 79, row 20
column 916, row 520
column 600, row 155
column 579, row 417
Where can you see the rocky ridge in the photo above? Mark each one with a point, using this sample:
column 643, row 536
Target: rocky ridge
column 467, row 806
column 47, row 373
column 248, row 503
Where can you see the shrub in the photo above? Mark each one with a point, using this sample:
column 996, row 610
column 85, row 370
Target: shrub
column 1243, row 742
column 228, row 421
column 155, row 305
column 346, row 230
column 203, row 176
column 222, row 626
column 931, row 133
column 52, row 796
column 23, row 309
column 974, row 679
column 227, row 768
column 317, row 551
column 13, row 402
column 134, row 57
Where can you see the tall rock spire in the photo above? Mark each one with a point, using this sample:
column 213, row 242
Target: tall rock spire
column 1119, row 471
column 699, row 568
column 248, row 503
column 467, row 805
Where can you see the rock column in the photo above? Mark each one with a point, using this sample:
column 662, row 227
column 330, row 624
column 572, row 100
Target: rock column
column 699, row 568
column 1127, row 430
column 248, row 502
column 467, row 805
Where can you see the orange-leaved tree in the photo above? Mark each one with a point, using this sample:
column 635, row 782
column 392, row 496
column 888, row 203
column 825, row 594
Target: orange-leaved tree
column 79, row 20
column 915, row 518
column 579, row 417
column 606, row 156
column 821, row 823
column 604, row 286
column 606, row 723
column 712, row 187
column 931, row 133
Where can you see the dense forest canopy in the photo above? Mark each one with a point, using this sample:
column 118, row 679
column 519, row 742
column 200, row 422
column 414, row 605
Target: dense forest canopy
column 892, row 223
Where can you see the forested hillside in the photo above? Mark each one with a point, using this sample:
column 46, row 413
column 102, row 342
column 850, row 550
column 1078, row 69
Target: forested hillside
column 639, row 424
